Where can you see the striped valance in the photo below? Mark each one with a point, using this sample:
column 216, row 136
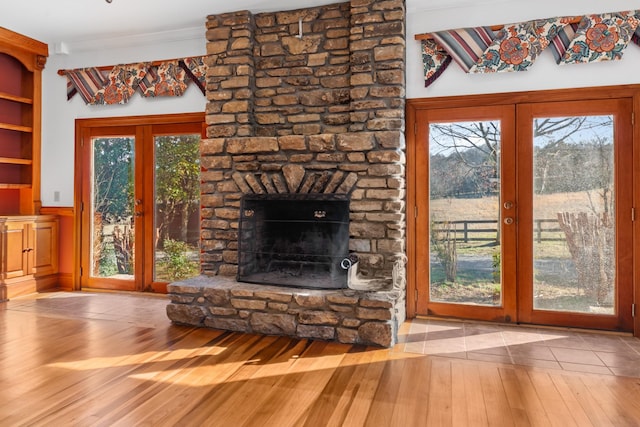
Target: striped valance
column 515, row 47
column 117, row 84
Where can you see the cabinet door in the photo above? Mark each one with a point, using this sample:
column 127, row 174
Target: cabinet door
column 16, row 249
column 45, row 245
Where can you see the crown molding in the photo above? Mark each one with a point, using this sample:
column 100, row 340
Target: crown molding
column 193, row 33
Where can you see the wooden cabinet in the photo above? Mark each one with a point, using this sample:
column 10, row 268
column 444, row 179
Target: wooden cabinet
column 21, row 62
column 28, row 253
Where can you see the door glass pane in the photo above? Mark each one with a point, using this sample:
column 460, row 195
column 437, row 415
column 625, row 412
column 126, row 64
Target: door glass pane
column 112, row 207
column 573, row 211
column 177, row 207
column 464, row 183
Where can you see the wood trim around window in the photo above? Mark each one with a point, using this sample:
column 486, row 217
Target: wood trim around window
column 82, row 132
column 593, row 93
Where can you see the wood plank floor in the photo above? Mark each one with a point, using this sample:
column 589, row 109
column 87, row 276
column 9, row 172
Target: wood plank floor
column 107, row 359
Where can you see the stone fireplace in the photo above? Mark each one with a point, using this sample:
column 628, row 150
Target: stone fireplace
column 304, row 104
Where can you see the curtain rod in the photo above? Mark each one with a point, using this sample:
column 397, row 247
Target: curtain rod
column 427, row 36
column 62, row 72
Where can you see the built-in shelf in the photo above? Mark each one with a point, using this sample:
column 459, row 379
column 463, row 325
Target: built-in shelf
column 14, row 161
column 13, row 186
column 14, row 98
column 22, row 60
column 18, row 128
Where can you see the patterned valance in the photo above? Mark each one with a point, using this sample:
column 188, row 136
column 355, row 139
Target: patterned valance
column 117, row 84
column 515, row 47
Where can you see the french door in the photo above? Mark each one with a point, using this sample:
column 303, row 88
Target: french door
column 525, row 213
column 138, row 184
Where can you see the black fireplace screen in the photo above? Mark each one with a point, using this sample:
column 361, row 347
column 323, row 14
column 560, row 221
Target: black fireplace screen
column 294, row 240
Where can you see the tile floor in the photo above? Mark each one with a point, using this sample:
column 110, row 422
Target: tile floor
column 567, row 349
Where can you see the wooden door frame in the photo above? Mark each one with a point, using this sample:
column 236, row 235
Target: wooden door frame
column 412, row 138
column 82, row 134
column 506, row 115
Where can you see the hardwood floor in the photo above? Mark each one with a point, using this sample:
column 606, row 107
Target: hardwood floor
column 109, row 359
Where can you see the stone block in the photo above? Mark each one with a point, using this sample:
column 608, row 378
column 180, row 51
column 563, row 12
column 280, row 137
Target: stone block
column 215, row 162
column 239, row 291
column 317, row 59
column 235, row 82
column 228, row 270
column 217, row 297
column 351, row 323
column 268, row 118
column 373, row 313
column 341, row 308
column 385, row 194
column 271, row 49
column 376, row 333
column 235, row 107
column 182, row 299
column 309, row 301
column 347, row 336
column 385, row 124
column 316, row 332
column 186, row 314
column 385, row 170
column 366, row 229
column 183, row 288
column 384, row 30
column 273, row 296
column 377, row 302
column 273, row 323
column 300, row 46
column 223, row 311
column 293, row 175
column 362, row 141
column 292, row 142
column 227, row 324
column 216, row 47
column 277, row 306
column 227, row 213
column 252, row 145
column 220, row 33
column 343, row 299
column 335, row 82
column 318, row 317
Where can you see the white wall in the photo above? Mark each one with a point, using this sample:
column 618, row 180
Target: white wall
column 59, row 115
column 543, row 74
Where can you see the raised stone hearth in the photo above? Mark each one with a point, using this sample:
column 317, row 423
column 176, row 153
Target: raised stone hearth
column 346, row 316
column 304, row 101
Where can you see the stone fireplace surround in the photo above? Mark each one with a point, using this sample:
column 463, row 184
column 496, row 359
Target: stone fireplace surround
column 304, row 101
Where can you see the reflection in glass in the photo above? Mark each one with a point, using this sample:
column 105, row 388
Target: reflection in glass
column 573, row 214
column 112, row 208
column 464, row 183
column 177, row 206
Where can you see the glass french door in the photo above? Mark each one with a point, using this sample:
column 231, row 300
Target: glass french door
column 575, row 219
column 525, row 213
column 465, row 229
column 140, row 187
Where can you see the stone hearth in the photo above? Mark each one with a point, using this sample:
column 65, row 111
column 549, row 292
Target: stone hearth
column 304, row 101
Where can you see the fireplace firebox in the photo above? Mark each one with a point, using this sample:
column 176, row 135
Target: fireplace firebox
column 298, row 240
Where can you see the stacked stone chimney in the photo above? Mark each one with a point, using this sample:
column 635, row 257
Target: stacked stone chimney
column 309, row 101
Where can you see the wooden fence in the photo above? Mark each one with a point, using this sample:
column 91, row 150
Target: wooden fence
column 486, row 230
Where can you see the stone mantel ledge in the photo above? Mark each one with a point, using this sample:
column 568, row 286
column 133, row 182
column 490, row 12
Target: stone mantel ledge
column 342, row 315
